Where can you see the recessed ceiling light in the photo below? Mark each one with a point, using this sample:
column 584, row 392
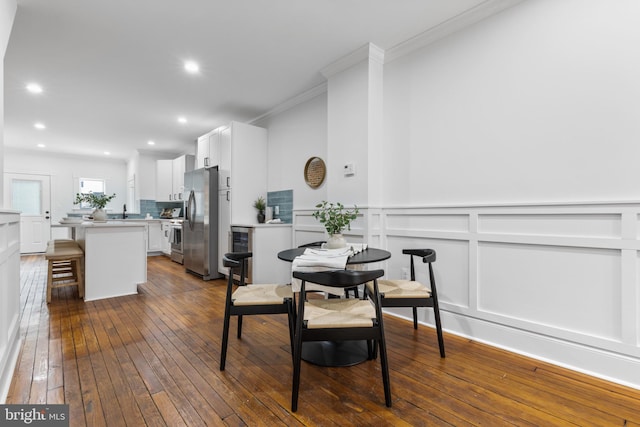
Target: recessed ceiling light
column 39, row 126
column 34, row 88
column 41, row 145
column 182, row 120
column 151, row 143
column 107, row 153
column 191, row 67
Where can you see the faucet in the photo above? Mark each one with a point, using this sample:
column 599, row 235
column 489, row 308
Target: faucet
column 124, row 211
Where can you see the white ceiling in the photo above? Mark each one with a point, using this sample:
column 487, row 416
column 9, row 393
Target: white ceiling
column 112, row 70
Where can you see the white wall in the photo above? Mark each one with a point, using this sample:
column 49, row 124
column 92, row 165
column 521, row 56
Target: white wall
column 295, row 135
column 348, row 137
column 65, row 171
column 538, row 103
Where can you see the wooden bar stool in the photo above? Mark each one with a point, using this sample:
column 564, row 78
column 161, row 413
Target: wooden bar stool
column 65, row 259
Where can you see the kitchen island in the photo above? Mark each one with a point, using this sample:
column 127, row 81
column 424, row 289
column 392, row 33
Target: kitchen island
column 115, row 257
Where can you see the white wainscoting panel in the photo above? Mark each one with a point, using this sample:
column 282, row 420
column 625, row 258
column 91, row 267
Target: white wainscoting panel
column 428, row 222
column 9, row 297
column 552, row 287
column 557, row 282
column 587, row 225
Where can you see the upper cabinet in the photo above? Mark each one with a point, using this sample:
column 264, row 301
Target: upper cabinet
column 207, row 150
column 243, row 168
column 170, row 178
column 202, row 152
column 224, row 155
column 180, row 165
column 164, row 180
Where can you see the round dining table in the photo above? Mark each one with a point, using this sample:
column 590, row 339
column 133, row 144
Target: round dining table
column 337, row 353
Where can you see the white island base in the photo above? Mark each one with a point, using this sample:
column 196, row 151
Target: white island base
column 115, row 258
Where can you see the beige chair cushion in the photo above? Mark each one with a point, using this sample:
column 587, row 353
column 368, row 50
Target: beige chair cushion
column 261, row 294
column 401, row 289
column 54, row 252
column 339, row 313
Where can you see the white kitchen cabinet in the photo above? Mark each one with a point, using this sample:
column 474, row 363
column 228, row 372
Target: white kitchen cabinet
column 242, row 178
column 224, row 158
column 154, row 236
column 202, row 151
column 166, row 237
column 247, row 174
column 181, row 165
column 207, row 149
column 224, row 227
column 164, row 180
column 170, row 178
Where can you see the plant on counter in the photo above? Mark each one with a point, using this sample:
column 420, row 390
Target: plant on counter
column 95, row 200
column 260, row 204
column 334, row 216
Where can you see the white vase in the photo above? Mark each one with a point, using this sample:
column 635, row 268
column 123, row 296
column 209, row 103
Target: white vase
column 99, row 215
column 336, row 241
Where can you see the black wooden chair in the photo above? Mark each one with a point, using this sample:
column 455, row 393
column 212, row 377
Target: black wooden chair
column 252, row 299
column 411, row 293
column 343, row 319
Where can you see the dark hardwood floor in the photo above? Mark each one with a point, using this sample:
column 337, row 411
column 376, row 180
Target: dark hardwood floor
column 152, row 359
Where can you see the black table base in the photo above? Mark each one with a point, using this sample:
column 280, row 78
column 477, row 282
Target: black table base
column 335, row 353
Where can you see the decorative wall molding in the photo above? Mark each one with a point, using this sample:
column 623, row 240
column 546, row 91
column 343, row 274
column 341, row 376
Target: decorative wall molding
column 556, row 282
column 457, row 23
column 292, row 102
column 368, row 51
column 9, row 297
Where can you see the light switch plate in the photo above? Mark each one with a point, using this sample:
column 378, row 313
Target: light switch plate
column 349, row 169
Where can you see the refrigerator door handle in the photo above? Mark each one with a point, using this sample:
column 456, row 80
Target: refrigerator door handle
column 191, row 209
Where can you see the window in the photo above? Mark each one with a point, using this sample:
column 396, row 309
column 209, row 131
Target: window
column 27, row 196
column 90, row 185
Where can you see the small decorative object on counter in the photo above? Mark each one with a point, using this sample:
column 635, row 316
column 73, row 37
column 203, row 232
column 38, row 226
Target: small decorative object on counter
column 260, row 205
column 335, row 219
column 98, row 201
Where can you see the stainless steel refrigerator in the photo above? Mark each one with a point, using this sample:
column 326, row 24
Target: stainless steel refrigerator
column 200, row 226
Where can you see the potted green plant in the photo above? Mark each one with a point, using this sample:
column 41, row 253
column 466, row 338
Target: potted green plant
column 260, row 204
column 335, row 218
column 98, row 201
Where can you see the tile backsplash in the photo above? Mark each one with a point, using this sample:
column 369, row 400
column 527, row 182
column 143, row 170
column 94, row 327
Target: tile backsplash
column 284, row 200
column 154, row 208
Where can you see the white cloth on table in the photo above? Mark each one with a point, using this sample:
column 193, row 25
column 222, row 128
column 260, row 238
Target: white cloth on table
column 320, row 260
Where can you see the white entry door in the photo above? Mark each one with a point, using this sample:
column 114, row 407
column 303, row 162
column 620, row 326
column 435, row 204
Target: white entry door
column 30, row 194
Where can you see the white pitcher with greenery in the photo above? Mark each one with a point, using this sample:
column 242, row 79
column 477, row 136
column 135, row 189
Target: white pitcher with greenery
column 98, row 201
column 335, row 218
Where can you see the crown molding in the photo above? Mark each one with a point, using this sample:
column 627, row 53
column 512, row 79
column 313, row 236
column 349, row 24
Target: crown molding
column 292, row 102
column 465, row 19
column 368, row 51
